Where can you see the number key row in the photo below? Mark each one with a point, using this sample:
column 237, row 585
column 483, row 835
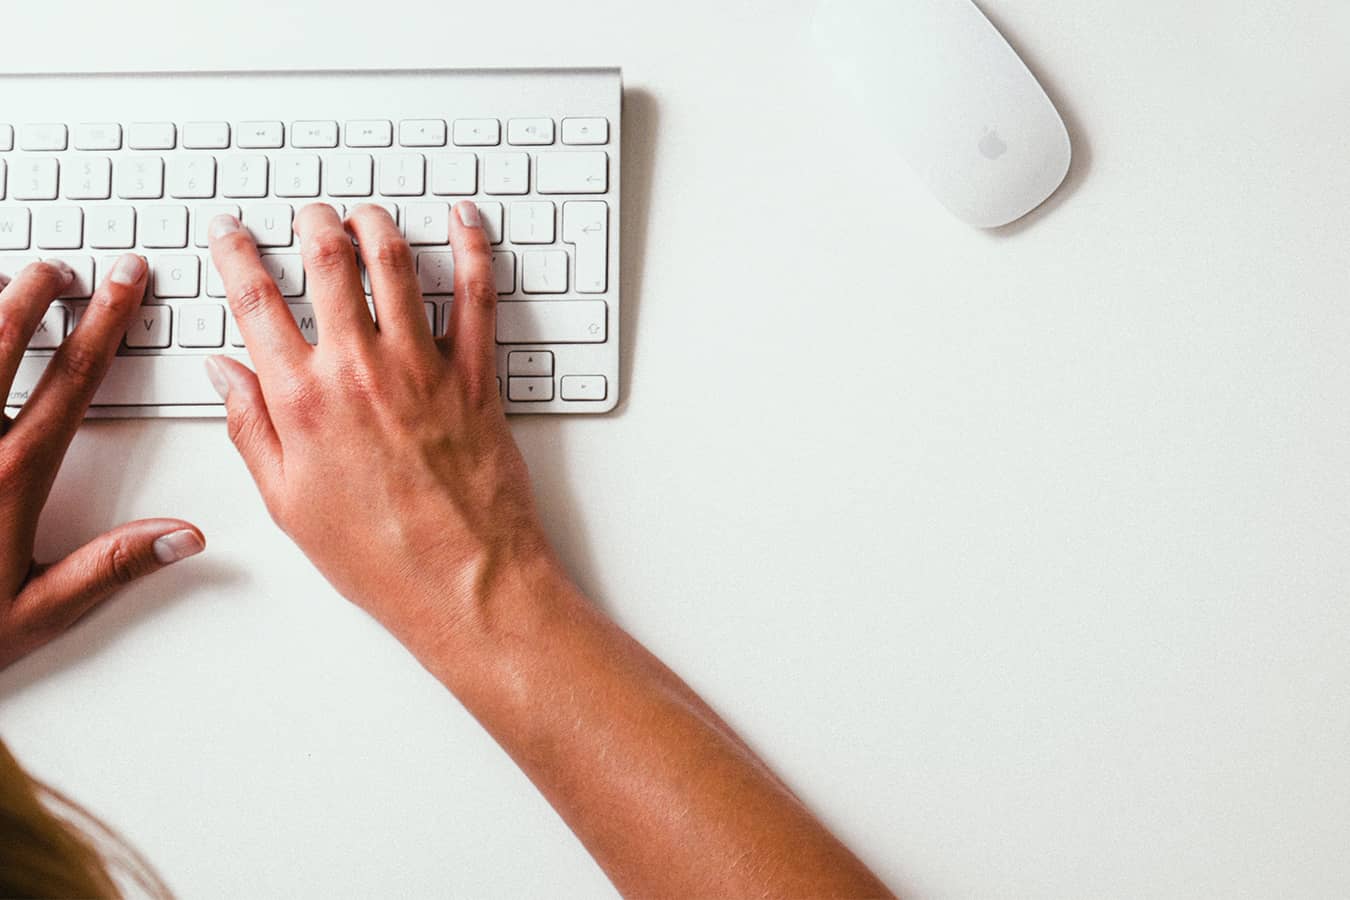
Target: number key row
column 300, row 175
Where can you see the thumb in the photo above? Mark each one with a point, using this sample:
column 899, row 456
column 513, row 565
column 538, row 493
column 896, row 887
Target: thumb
column 64, row 591
column 247, row 419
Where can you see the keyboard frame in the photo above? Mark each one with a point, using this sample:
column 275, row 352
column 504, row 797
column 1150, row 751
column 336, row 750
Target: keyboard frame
column 346, row 95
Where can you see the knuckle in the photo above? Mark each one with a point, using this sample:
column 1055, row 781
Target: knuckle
column 12, row 338
column 239, row 425
column 121, row 563
column 81, row 361
column 253, row 296
column 328, row 251
column 480, row 289
column 392, row 253
column 48, row 274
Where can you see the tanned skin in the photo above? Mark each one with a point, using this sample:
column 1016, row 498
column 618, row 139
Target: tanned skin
column 385, row 454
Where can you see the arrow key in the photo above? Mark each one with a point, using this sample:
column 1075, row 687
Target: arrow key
column 529, row 390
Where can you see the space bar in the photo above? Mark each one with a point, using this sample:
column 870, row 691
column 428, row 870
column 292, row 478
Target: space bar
column 133, row 381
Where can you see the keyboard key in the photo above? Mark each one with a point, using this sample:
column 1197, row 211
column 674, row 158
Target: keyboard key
column 88, row 178
column 422, row 133
column 204, row 214
column 586, row 224
column 491, row 213
column 402, row 175
column 270, row 223
column 83, row 266
column 436, row 272
column 297, row 175
column 454, row 173
column 573, row 172
column 6, row 138
column 58, row 227
column 529, row 389
column 543, row 272
column 530, row 362
column 111, row 228
column 243, row 176
column 529, row 132
column 314, row 134
column 531, row 223
column 164, row 227
column 431, row 317
column 3, row 171
column 552, row 322
column 147, row 380
column 349, row 174
column 192, row 176
column 201, row 325
column 504, row 272
column 478, row 132
column 305, row 321
column 14, row 228
column 206, row 135
column 44, row 136
column 33, row 178
column 288, row 271
column 583, row 387
column 176, row 276
column 427, row 223
column 260, row 135
column 215, row 285
column 98, row 136
column 152, row 136
column 370, row 133
column 12, row 264
column 140, row 178
column 151, row 329
column 585, row 131
column 51, row 330
column 506, row 173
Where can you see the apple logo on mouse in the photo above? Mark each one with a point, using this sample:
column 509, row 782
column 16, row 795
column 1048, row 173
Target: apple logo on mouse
column 991, row 145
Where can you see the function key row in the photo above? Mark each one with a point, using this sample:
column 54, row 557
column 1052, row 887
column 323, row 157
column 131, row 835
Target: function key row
column 317, row 134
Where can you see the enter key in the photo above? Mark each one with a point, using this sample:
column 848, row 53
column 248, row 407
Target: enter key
column 586, row 225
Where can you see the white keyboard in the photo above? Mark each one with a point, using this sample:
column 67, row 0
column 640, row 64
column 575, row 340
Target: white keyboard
column 92, row 166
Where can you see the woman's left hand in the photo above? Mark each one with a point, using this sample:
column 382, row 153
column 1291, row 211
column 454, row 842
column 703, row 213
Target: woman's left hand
column 39, row 602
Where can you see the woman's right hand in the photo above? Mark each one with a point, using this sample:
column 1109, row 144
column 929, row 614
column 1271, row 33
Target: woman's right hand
column 383, row 452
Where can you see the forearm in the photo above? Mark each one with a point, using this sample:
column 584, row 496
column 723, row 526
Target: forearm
column 663, row 794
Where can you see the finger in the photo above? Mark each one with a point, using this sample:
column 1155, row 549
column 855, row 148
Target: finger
column 393, row 276
column 273, row 339
column 473, row 315
column 58, row 403
column 249, row 423
column 333, row 281
column 22, row 302
column 56, row 599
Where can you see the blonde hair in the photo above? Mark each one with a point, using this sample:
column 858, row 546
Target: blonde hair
column 53, row 847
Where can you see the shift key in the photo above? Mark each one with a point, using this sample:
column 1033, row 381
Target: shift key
column 552, row 322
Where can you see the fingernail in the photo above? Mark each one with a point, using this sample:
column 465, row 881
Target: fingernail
column 60, row 265
column 468, row 213
column 177, row 545
column 222, row 225
column 128, row 269
column 215, row 372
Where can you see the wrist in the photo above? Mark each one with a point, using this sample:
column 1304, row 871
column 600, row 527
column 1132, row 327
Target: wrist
column 474, row 623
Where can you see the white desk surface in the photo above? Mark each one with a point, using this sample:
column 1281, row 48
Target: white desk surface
column 1024, row 557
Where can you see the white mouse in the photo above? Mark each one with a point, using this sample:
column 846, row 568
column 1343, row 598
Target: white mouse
column 938, row 79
